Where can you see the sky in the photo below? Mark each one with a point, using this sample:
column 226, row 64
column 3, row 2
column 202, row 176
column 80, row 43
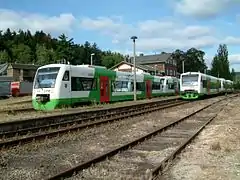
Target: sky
column 160, row 25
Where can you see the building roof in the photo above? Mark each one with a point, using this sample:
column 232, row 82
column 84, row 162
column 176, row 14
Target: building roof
column 25, row 66
column 143, row 67
column 3, row 67
column 150, row 59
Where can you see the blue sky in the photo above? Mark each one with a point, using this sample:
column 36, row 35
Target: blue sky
column 160, row 25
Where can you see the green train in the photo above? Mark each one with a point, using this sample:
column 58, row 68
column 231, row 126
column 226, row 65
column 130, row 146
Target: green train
column 194, row 85
column 57, row 85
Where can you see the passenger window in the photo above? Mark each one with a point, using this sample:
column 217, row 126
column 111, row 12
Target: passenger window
column 66, row 76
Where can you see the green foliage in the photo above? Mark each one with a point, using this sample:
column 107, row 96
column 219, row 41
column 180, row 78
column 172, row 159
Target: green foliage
column 112, row 59
column 236, row 85
column 233, row 74
column 193, row 60
column 40, row 48
column 220, row 64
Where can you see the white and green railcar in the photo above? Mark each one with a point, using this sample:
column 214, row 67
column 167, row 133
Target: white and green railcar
column 195, row 84
column 60, row 84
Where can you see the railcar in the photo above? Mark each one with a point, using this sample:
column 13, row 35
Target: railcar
column 56, row 85
column 228, row 86
column 194, row 85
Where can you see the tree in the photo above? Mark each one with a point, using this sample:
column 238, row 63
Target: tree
column 110, row 60
column 193, row 60
column 220, row 63
column 179, row 56
column 44, row 55
column 22, row 53
column 64, row 48
column 4, row 57
column 233, row 75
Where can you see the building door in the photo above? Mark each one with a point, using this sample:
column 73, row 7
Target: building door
column 104, row 89
column 148, row 89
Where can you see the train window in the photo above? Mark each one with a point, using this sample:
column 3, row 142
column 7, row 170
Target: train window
column 76, row 84
column 83, row 84
column 170, row 86
column 156, row 86
column 140, row 86
column 161, row 81
column 66, row 76
column 122, row 86
column 204, row 83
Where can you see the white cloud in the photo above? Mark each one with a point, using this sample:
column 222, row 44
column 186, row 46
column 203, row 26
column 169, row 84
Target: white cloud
column 234, row 59
column 232, row 40
column 157, row 35
column 153, row 35
column 20, row 20
column 113, row 27
column 204, row 8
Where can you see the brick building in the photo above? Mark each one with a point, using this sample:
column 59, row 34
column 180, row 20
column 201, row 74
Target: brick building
column 164, row 63
column 159, row 64
column 128, row 67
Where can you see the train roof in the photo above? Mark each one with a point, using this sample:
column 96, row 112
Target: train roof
column 67, row 65
column 199, row 73
column 188, row 73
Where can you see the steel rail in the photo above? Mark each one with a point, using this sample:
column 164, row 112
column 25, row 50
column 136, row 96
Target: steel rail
column 157, row 171
column 13, row 126
column 119, row 116
column 25, row 131
column 17, row 110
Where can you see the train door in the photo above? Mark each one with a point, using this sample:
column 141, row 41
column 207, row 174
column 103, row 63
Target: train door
column 65, row 90
column 162, row 81
column 176, row 86
column 104, row 89
column 208, row 86
column 148, row 89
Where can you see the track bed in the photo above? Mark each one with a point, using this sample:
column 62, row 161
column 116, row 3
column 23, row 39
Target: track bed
column 39, row 160
column 142, row 159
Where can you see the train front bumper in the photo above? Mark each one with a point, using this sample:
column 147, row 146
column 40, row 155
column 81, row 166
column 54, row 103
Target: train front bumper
column 189, row 94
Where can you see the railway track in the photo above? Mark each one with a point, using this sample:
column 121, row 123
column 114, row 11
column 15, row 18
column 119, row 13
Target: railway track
column 26, row 135
column 150, row 153
column 17, row 110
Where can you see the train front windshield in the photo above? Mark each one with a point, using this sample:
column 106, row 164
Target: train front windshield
column 46, row 77
column 188, row 80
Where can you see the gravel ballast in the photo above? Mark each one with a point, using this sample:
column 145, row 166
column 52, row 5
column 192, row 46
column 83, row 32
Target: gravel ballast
column 38, row 160
column 215, row 154
column 5, row 117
